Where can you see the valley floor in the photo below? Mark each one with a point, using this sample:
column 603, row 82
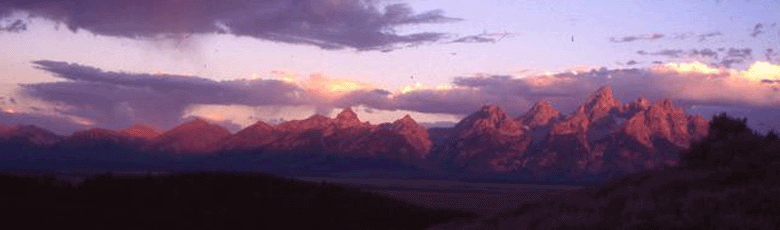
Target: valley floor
column 481, row 198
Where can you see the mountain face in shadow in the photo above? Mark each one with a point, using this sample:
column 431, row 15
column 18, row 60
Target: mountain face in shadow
column 601, row 138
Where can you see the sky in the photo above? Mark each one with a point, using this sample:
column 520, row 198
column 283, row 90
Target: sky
column 73, row 65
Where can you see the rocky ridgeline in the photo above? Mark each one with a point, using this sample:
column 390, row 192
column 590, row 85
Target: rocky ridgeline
column 599, row 137
column 602, row 136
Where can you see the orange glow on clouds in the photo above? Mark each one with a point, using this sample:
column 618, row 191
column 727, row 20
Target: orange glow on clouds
column 761, row 71
column 692, row 67
column 332, row 88
column 419, row 86
column 322, row 87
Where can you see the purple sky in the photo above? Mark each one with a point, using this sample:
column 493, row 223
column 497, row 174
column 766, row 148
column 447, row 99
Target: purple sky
column 69, row 65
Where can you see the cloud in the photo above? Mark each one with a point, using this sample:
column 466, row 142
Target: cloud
column 115, row 100
column 649, row 37
column 484, row 37
column 758, row 29
column 704, row 53
column 667, row 52
column 740, row 53
column 769, row 54
column 704, row 37
column 688, row 83
column 721, row 57
column 58, row 124
column 736, row 56
column 682, row 36
column 677, row 36
column 15, row 27
column 120, row 99
column 333, row 24
column 474, row 39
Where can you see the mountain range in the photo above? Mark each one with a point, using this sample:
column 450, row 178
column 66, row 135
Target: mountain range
column 601, row 137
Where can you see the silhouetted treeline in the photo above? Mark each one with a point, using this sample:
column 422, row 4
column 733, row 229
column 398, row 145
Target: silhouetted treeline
column 732, row 145
column 203, row 201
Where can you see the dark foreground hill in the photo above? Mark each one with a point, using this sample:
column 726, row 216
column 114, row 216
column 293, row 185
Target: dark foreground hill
column 203, row 201
column 726, row 181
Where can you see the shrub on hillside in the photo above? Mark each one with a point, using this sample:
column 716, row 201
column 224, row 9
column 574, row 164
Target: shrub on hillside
column 731, row 145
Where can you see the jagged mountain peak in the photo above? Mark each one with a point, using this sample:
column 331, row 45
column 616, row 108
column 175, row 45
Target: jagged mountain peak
column 491, row 112
column 261, row 125
column 407, row 123
column 489, row 117
column 600, row 103
column 315, row 121
column 406, row 120
column 540, row 114
column 347, row 115
column 604, row 92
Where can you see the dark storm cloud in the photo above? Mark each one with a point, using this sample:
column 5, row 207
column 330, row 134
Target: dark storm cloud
column 769, row 54
column 632, row 38
column 631, row 62
column 758, row 29
column 357, row 24
column 118, row 99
